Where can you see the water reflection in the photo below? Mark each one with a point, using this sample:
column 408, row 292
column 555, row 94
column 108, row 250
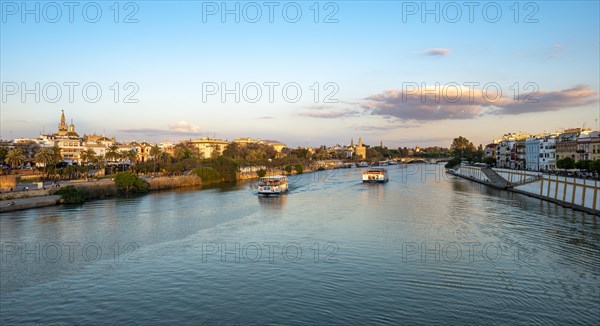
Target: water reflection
column 273, row 202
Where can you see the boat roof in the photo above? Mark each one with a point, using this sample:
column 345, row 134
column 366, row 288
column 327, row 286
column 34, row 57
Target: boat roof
column 376, row 170
column 274, row 177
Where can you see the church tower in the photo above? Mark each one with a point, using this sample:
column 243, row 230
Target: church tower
column 62, row 126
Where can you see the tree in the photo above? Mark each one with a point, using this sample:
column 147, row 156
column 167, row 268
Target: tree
column 184, row 151
column 299, row 169
column 462, row 147
column 207, row 174
column 45, row 156
column 88, row 155
column 227, row 168
column 594, row 166
column 261, row 173
column 128, row 182
column 233, row 151
column 583, row 164
column 288, row 169
column 565, row 163
column 57, row 153
column 112, row 153
column 130, row 156
column 15, row 157
column 490, row 161
column 452, row 163
column 155, row 152
column 3, row 152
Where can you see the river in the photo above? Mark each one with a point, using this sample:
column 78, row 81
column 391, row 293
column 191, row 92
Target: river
column 423, row 248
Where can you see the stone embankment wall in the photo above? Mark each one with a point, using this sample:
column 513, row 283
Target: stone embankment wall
column 567, row 191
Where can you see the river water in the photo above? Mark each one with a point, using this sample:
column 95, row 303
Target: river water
column 423, row 248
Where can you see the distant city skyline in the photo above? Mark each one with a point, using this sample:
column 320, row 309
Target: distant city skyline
column 375, row 70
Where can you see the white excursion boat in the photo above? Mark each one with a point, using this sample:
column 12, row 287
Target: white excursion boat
column 392, row 162
column 273, row 185
column 375, row 176
column 362, row 165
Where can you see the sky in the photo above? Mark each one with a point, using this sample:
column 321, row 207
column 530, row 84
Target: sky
column 304, row 73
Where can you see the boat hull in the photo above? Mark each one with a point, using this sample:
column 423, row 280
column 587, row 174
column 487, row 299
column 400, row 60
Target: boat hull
column 272, row 192
column 376, row 181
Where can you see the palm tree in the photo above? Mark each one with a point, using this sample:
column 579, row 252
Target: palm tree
column 45, row 156
column 88, row 155
column 113, row 153
column 130, row 156
column 56, row 153
column 155, row 152
column 15, row 157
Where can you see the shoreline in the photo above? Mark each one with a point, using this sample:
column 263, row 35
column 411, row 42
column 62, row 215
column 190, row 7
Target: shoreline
column 37, row 198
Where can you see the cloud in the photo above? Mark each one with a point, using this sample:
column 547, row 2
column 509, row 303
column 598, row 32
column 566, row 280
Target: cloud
column 447, row 103
column 331, row 114
column 319, row 107
column 385, row 128
column 177, row 129
column 437, row 52
column 265, row 118
column 555, row 50
column 544, row 101
column 184, row 127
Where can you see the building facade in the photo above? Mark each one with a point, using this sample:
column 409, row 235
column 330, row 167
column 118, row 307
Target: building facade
column 209, row 147
column 566, row 144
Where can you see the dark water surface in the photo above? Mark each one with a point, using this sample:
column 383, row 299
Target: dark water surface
column 333, row 251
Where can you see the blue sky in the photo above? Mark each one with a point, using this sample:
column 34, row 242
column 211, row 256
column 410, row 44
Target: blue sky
column 370, row 57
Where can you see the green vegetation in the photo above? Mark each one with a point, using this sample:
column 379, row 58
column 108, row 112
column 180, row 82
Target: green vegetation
column 71, row 195
column 489, row 161
column 288, row 169
column 261, row 173
column 565, row 163
column 299, row 168
column 462, row 148
column 128, row 182
column 453, row 162
column 3, row 152
column 15, row 157
column 220, row 169
column 207, row 175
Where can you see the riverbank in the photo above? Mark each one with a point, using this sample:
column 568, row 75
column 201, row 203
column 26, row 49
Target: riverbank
column 100, row 189
column 29, row 202
column 574, row 193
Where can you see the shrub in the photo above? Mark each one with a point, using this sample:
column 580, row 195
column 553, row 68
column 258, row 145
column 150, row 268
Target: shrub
column 565, row 163
column 71, row 195
column 128, row 182
column 288, row 169
column 261, row 173
column 97, row 191
column 207, row 175
column 490, row 161
column 321, row 168
column 583, row 164
column 226, row 167
column 452, row 163
column 299, row 169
